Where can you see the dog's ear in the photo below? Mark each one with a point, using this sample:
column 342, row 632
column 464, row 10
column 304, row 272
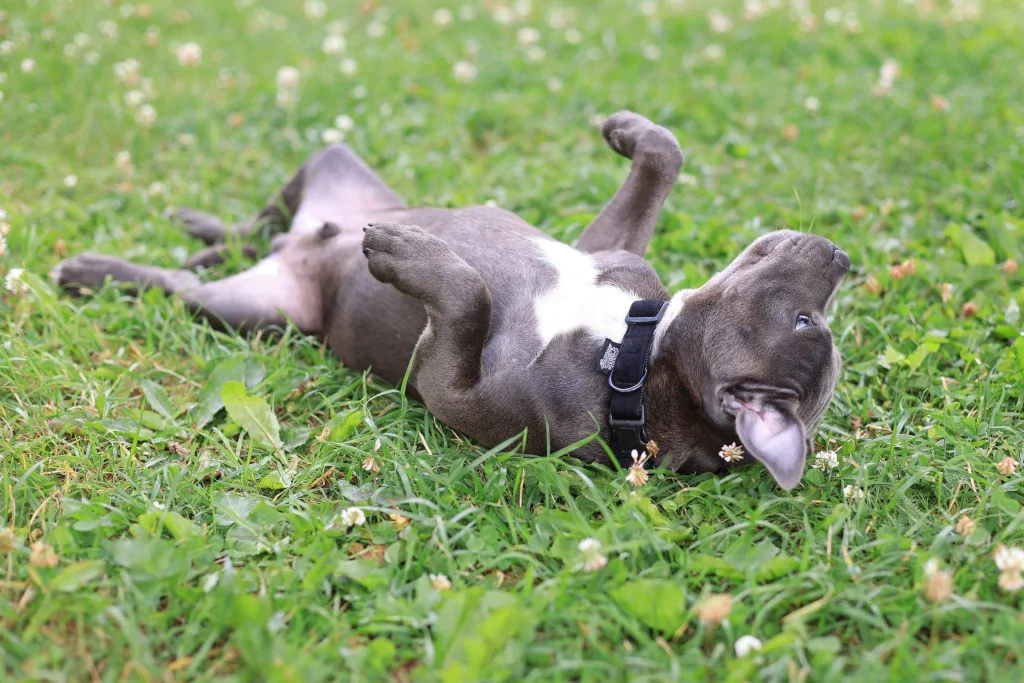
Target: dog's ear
column 772, row 434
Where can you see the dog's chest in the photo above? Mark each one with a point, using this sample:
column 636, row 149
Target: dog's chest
column 575, row 300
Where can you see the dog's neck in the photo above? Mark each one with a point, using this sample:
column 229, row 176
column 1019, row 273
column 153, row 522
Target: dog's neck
column 675, row 416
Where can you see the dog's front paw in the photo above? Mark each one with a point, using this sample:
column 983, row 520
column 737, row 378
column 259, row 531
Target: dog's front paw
column 630, row 134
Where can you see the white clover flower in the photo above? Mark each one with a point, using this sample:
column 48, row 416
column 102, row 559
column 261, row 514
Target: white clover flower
column 637, row 475
column 14, row 282
column 719, row 22
column 554, row 84
column 134, row 98
column 1011, row 582
column 573, row 36
column 128, row 71
column 833, row 15
column 333, row 45
column 731, row 452
column 851, row 492
column 287, row 86
column 123, row 160
column 887, row 76
column 714, row 52
column 109, row 28
column 92, row 58
column 288, row 78
column 70, row 180
column 28, row 65
column 592, row 557
column 331, row 136
column 652, row 52
column 359, row 92
column 812, row 104
column 825, row 461
column 3, row 244
column 348, row 66
column 747, row 644
column 315, row 9
column 932, row 566
column 443, row 16
column 146, row 115
column 440, row 582
column 6, row 47
column 464, row 71
column 157, row 189
column 534, row 53
column 353, row 517
column 503, row 15
column 370, row 465
column 375, row 29
column 345, row 124
column 527, row 36
column 753, row 9
column 1009, row 559
column 189, row 54
column 558, row 19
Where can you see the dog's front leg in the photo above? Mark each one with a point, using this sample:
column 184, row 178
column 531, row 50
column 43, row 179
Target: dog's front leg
column 627, row 221
column 458, row 305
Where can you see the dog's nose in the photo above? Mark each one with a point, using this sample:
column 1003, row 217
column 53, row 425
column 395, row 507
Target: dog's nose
column 840, row 258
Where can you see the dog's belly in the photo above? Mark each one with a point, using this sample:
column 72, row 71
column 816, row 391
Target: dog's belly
column 541, row 290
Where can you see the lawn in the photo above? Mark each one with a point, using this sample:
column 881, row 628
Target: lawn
column 148, row 533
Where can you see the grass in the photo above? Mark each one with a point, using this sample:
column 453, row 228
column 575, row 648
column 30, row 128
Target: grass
column 150, row 537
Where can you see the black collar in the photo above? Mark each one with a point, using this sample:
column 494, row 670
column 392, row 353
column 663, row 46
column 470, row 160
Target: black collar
column 626, row 367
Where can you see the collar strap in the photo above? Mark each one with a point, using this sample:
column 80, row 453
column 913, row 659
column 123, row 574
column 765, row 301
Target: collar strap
column 626, row 377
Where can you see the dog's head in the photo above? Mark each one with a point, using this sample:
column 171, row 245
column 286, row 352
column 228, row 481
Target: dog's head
column 765, row 362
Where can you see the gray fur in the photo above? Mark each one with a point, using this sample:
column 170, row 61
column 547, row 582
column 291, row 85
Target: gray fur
column 377, row 280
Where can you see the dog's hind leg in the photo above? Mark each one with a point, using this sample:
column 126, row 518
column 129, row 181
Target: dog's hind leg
column 627, row 221
column 283, row 287
column 330, row 185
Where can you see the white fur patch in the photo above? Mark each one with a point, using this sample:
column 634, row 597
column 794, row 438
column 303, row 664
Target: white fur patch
column 268, row 266
column 577, row 301
column 305, row 221
column 675, row 307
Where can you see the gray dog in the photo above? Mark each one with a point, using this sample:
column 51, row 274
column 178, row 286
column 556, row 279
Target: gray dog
column 513, row 330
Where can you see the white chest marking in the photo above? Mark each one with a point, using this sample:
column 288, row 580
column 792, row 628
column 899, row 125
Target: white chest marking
column 577, row 301
column 268, row 266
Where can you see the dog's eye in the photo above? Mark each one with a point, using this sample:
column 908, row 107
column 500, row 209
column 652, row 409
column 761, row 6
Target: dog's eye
column 802, row 321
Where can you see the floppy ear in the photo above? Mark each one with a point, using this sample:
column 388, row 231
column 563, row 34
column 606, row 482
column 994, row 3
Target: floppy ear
column 773, row 436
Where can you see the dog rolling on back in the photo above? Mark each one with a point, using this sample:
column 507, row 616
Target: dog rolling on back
column 511, row 328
